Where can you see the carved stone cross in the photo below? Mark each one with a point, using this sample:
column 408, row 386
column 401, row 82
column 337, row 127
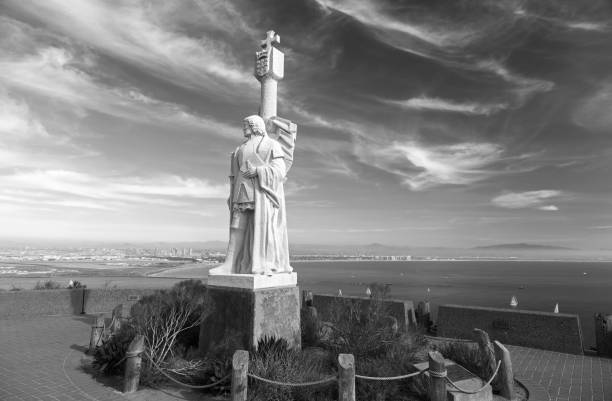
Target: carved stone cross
column 269, row 69
column 270, row 39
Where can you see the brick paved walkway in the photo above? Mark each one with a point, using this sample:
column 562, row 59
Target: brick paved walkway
column 566, row 377
column 40, row 359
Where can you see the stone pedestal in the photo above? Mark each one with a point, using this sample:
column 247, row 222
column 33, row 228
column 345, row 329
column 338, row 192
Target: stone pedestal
column 249, row 308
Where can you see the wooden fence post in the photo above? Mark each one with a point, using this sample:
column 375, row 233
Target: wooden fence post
column 133, row 364
column 437, row 377
column 116, row 318
column 505, row 375
column 346, row 377
column 97, row 330
column 240, row 368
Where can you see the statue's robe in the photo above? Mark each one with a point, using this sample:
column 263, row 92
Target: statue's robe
column 266, row 247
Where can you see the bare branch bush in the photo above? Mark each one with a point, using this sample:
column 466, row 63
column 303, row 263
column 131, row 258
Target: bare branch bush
column 164, row 316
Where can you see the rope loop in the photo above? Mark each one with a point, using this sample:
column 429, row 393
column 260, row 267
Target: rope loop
column 304, row 384
column 390, row 378
column 438, row 374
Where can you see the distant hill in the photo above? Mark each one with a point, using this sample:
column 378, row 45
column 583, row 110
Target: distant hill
column 523, row 247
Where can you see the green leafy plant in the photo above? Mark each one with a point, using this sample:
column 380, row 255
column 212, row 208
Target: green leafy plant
column 365, row 329
column 276, row 361
column 464, row 353
column 110, row 355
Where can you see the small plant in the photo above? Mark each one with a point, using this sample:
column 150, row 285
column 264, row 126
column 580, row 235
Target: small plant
column 465, row 354
column 365, row 329
column 169, row 319
column 276, row 361
column 47, row 285
column 75, row 284
column 110, row 355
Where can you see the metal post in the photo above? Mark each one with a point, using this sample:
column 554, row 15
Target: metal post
column 240, row 368
column 505, row 375
column 346, row 377
column 437, row 376
column 133, row 364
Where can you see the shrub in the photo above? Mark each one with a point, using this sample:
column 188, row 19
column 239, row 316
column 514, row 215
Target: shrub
column 47, row 285
column 109, row 356
column 165, row 318
column 465, row 354
column 358, row 328
column 366, row 330
column 276, row 361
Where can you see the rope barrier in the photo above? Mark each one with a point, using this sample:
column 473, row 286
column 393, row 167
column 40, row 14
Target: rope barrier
column 185, row 384
column 438, row 374
column 391, row 378
column 455, row 340
column 480, row 389
column 304, row 384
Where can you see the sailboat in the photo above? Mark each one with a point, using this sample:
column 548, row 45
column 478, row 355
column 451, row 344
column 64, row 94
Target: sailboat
column 513, row 302
column 556, row 308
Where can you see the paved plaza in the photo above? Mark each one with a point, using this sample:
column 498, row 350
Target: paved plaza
column 566, row 377
column 41, row 359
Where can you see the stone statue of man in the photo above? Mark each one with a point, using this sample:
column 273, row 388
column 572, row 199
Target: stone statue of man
column 258, row 241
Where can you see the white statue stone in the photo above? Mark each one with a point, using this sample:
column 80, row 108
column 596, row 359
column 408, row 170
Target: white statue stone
column 258, row 243
column 258, row 224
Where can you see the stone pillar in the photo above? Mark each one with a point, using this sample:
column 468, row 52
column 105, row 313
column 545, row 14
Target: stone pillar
column 268, row 97
column 248, row 308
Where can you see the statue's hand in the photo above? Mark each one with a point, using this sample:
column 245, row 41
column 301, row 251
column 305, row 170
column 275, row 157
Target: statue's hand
column 250, row 173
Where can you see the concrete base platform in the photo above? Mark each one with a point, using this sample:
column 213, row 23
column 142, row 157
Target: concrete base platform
column 253, row 281
column 243, row 316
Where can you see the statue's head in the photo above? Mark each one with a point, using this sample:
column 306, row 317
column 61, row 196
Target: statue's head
column 254, row 125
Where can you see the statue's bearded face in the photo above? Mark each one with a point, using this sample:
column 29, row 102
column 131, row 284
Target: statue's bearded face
column 246, row 129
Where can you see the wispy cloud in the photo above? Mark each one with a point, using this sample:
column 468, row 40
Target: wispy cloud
column 142, row 35
column 524, row 87
column 437, row 104
column 601, row 227
column 584, row 25
column 17, row 120
column 593, row 111
column 529, row 199
column 53, row 73
column 372, row 13
column 422, row 166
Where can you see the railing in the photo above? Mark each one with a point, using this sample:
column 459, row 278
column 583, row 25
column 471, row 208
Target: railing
column 346, row 377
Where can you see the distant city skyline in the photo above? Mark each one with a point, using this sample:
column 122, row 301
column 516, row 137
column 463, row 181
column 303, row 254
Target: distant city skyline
column 419, row 123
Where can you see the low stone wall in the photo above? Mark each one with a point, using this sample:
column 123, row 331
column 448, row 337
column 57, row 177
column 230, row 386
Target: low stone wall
column 544, row 330
column 68, row 302
column 402, row 310
column 40, row 302
column 105, row 300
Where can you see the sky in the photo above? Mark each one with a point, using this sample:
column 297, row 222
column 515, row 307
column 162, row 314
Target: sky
column 420, row 123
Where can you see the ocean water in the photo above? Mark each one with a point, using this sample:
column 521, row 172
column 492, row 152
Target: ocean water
column 537, row 285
